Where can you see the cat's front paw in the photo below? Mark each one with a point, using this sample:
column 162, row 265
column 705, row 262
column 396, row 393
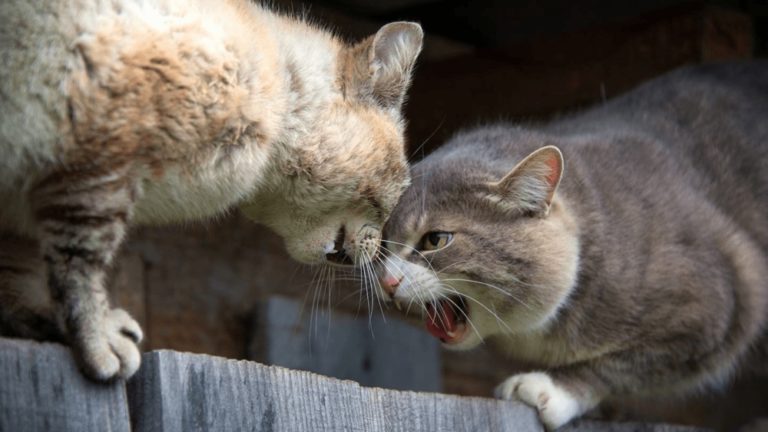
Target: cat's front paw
column 556, row 406
column 108, row 346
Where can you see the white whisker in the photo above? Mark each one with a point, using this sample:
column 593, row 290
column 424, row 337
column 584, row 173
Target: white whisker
column 501, row 290
column 493, row 314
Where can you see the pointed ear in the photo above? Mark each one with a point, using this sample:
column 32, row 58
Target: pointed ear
column 532, row 183
column 395, row 48
column 381, row 66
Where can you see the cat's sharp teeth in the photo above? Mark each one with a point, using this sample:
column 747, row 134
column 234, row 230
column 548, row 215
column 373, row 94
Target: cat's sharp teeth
column 398, row 305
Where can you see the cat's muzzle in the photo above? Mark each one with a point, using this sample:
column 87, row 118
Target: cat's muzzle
column 364, row 247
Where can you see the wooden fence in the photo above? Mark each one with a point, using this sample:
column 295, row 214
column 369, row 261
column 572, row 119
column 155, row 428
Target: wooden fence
column 42, row 390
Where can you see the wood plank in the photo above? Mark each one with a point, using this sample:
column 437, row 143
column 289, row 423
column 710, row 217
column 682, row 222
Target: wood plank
column 41, row 389
column 176, row 392
column 184, row 392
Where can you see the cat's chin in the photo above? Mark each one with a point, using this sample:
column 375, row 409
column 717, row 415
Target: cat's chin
column 469, row 340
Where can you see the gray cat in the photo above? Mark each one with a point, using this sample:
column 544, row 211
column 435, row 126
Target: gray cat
column 623, row 250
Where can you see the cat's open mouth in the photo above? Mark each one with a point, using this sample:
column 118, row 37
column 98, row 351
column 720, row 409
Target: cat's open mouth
column 338, row 255
column 447, row 319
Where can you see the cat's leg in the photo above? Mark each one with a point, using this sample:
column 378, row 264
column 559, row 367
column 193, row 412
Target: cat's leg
column 25, row 303
column 82, row 219
column 557, row 402
column 564, row 393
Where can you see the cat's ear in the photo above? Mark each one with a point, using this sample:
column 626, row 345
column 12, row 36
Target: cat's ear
column 532, row 183
column 381, row 66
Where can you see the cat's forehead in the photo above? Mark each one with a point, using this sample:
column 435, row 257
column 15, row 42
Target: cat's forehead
column 440, row 187
column 361, row 154
column 418, row 205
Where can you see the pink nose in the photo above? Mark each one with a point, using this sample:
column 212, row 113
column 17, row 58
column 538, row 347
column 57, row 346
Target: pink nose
column 390, row 283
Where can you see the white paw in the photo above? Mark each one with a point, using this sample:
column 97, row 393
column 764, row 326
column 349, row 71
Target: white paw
column 109, row 347
column 555, row 405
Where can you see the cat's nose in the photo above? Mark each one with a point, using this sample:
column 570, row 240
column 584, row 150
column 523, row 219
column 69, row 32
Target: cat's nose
column 390, row 283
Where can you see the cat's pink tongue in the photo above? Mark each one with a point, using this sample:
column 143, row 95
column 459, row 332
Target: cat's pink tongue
column 441, row 322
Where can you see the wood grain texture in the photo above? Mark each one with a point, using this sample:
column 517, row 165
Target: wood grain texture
column 41, row 389
column 183, row 392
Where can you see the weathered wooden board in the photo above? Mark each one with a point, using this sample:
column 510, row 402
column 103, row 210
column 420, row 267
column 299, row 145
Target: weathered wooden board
column 41, row 389
column 176, row 392
column 183, row 392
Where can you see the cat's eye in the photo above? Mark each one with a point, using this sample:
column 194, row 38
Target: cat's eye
column 435, row 240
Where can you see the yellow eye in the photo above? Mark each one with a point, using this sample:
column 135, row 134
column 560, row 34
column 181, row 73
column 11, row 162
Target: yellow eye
column 435, row 240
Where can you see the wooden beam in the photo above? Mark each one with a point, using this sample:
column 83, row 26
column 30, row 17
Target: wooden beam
column 41, row 389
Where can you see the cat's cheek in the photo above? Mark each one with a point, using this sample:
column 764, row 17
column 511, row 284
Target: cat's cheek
column 310, row 248
column 304, row 252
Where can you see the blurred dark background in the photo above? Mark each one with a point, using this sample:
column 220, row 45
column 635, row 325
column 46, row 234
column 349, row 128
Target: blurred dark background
column 211, row 288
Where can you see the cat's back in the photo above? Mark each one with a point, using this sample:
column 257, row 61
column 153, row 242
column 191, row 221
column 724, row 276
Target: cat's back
column 701, row 130
column 61, row 59
column 714, row 115
column 160, row 84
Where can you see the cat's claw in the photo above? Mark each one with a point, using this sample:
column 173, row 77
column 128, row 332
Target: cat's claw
column 109, row 351
column 556, row 406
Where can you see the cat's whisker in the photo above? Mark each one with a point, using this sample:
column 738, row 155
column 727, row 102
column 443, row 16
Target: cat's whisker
column 490, row 271
column 493, row 305
column 423, row 143
column 331, row 282
column 310, row 286
column 501, row 290
column 319, row 298
column 466, row 317
column 346, row 279
column 312, row 306
column 369, row 301
column 383, row 262
column 436, row 297
column 417, row 288
column 411, row 302
column 405, row 277
column 375, row 284
column 493, row 314
column 444, row 269
column 371, row 287
column 322, row 292
column 438, row 307
column 429, row 263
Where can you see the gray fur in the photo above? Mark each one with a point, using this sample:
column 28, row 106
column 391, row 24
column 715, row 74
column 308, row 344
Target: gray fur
column 664, row 197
